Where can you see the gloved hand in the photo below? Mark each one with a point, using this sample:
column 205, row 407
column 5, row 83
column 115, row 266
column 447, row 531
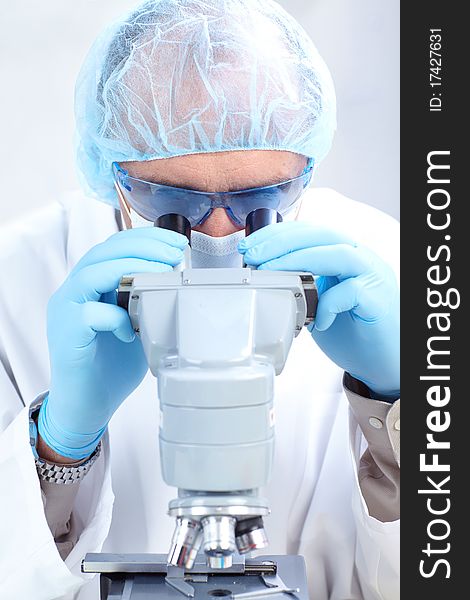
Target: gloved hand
column 96, row 359
column 357, row 321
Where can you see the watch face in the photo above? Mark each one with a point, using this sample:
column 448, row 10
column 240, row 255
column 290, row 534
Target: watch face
column 33, row 436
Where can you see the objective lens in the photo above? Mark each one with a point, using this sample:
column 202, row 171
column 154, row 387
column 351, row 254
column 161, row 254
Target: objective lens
column 187, row 539
column 219, row 540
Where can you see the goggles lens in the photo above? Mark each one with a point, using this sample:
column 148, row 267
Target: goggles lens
column 152, row 200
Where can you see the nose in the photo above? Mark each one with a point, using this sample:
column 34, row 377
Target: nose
column 218, row 224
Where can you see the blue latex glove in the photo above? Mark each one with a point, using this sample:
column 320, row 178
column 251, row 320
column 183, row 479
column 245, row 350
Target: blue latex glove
column 96, row 359
column 357, row 321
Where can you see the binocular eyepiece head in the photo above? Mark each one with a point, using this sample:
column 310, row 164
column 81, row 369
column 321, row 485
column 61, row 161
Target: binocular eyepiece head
column 256, row 219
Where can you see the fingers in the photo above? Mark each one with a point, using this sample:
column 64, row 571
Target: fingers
column 149, row 243
column 339, row 260
column 155, row 233
column 337, row 299
column 370, row 298
column 91, row 282
column 99, row 317
column 276, row 240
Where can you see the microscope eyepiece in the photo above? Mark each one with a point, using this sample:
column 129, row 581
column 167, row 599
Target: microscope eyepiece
column 261, row 217
column 175, row 222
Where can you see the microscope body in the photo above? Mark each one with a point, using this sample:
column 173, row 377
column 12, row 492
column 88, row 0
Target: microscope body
column 215, row 339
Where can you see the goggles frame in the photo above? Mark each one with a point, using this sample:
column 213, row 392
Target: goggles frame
column 197, row 206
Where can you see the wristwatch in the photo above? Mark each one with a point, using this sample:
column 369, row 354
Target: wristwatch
column 54, row 472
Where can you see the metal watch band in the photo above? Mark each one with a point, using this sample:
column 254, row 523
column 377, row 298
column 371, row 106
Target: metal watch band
column 65, row 474
column 61, row 474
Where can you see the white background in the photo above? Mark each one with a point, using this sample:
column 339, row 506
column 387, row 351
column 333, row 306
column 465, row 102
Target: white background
column 43, row 44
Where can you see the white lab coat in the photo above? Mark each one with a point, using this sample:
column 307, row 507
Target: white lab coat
column 317, row 507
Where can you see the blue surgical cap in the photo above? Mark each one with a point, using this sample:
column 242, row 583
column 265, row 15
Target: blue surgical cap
column 176, row 77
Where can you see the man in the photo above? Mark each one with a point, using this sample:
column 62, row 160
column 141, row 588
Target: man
column 177, row 102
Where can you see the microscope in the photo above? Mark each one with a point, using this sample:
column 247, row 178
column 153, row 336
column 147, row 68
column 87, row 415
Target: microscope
column 215, row 339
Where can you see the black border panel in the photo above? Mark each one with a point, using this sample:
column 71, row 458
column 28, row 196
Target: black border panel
column 435, row 328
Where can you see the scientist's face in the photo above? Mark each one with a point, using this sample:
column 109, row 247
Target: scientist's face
column 220, row 172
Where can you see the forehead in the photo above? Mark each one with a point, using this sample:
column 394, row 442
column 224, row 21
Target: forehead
column 220, row 171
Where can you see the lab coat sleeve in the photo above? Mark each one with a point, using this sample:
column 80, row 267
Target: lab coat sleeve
column 375, row 451
column 379, row 466
column 58, row 501
column 30, row 561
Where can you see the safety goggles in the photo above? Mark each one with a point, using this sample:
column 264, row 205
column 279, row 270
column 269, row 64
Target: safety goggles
column 153, row 200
